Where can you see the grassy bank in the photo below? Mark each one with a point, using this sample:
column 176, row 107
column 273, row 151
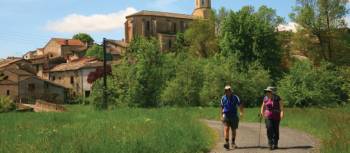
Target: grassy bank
column 151, row 130
column 124, row 131
column 331, row 125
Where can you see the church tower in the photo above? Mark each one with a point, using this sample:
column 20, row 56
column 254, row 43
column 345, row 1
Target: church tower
column 203, row 8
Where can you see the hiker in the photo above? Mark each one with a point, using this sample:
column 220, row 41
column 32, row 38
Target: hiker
column 229, row 115
column 272, row 111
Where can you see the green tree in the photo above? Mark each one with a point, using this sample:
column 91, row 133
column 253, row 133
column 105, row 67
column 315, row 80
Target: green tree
column 141, row 75
column 251, row 35
column 202, row 38
column 180, row 45
column 84, row 38
column 184, row 89
column 96, row 51
column 220, row 16
column 321, row 19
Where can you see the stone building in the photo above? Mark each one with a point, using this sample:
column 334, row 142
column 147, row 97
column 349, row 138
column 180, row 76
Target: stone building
column 163, row 25
column 18, row 80
column 74, row 75
column 68, row 48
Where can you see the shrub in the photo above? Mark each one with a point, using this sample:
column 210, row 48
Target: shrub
column 137, row 81
column 307, row 85
column 6, row 104
column 184, row 89
column 345, row 74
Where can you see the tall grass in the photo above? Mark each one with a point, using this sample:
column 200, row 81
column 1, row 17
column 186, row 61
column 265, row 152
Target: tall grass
column 122, row 130
column 151, row 130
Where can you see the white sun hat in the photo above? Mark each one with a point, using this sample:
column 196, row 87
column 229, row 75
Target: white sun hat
column 270, row 89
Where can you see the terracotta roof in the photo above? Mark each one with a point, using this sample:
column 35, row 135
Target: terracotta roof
column 50, row 82
column 19, row 72
column 6, row 62
column 161, row 14
column 77, row 65
column 68, row 42
column 7, row 82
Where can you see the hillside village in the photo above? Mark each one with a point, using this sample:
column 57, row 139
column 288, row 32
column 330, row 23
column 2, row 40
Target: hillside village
column 58, row 72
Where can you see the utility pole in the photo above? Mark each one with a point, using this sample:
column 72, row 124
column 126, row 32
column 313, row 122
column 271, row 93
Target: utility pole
column 104, row 104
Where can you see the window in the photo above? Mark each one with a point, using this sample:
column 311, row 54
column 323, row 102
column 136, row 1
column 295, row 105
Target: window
column 174, row 27
column 53, row 78
column 8, row 92
column 46, row 85
column 71, row 80
column 87, row 93
column 31, row 87
column 59, row 78
column 182, row 26
column 148, row 26
column 169, row 44
column 203, row 3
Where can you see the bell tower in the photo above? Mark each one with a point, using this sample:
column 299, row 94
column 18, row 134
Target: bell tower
column 203, row 8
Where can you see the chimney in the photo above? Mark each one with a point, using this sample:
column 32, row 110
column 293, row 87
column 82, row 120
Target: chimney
column 67, row 42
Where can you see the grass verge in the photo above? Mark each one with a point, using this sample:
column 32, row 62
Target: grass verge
column 151, row 130
column 122, row 130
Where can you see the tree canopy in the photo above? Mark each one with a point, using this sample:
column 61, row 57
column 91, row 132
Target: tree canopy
column 86, row 38
column 323, row 21
column 251, row 35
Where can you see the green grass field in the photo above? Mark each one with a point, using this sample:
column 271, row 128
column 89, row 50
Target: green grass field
column 124, row 131
column 150, row 130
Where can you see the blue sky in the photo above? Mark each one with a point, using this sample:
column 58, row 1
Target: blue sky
column 29, row 24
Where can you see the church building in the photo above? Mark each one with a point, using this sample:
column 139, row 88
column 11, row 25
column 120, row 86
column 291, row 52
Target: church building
column 163, row 25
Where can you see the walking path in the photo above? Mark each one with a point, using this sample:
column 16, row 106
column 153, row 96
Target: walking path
column 291, row 141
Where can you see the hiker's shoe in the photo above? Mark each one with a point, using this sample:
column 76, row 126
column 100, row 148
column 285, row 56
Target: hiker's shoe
column 233, row 146
column 227, row 146
column 274, row 147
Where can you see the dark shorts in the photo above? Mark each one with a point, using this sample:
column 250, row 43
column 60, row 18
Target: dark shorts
column 231, row 121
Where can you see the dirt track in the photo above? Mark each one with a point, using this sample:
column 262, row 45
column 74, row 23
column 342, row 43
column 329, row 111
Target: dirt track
column 291, row 141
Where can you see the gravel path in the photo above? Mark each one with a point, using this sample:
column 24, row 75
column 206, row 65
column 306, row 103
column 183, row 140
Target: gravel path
column 291, row 141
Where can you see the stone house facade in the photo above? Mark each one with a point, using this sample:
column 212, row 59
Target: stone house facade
column 58, row 47
column 74, row 75
column 163, row 25
column 18, row 80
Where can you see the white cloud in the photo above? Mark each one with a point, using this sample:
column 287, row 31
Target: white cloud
column 291, row 26
column 75, row 23
column 347, row 19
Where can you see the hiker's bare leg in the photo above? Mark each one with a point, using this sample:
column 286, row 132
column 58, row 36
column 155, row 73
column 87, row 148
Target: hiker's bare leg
column 227, row 132
column 234, row 136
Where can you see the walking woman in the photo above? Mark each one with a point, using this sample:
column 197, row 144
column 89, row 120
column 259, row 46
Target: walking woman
column 272, row 110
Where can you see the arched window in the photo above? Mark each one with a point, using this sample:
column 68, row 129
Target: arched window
column 203, row 3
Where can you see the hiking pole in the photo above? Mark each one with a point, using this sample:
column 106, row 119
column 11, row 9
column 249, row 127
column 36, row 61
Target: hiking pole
column 260, row 119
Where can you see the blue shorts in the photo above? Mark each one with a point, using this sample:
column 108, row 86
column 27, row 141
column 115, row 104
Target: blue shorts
column 231, row 121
